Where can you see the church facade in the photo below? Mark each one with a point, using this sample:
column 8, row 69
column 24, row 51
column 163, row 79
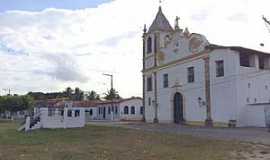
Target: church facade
column 188, row 79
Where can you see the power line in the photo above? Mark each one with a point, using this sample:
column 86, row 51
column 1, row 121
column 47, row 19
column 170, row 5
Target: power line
column 267, row 23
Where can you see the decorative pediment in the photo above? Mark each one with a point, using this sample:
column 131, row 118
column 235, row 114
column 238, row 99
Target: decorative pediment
column 197, row 43
column 176, row 43
column 160, row 57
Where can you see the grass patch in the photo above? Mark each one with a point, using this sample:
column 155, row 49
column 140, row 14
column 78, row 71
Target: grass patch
column 202, row 124
column 108, row 143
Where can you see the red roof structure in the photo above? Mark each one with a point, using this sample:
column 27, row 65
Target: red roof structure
column 61, row 103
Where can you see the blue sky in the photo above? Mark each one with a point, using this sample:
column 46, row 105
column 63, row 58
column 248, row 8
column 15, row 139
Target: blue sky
column 37, row 5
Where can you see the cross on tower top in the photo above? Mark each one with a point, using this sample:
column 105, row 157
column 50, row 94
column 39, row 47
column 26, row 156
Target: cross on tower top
column 177, row 22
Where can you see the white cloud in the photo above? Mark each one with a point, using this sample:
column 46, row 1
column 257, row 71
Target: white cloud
column 56, row 48
column 239, row 17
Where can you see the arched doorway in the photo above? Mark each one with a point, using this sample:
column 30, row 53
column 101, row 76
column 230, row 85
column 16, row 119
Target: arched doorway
column 178, row 108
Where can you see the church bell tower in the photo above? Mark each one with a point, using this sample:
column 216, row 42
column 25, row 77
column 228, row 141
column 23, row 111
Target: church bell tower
column 152, row 42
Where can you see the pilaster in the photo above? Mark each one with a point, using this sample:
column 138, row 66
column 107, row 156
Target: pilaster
column 143, row 76
column 156, row 50
column 208, row 121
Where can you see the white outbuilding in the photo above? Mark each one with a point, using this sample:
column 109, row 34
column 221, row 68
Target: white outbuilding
column 61, row 113
column 130, row 109
column 55, row 114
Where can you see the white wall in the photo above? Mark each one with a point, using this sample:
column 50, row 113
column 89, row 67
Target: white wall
column 112, row 116
column 94, row 115
column 173, row 52
column 253, row 116
column 177, row 75
column 254, row 90
column 224, row 89
column 137, row 103
column 190, row 91
column 75, row 122
column 58, row 121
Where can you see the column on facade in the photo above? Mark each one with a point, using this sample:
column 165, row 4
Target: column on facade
column 208, row 121
column 267, row 62
column 254, row 61
column 143, row 76
column 65, row 117
column 156, row 50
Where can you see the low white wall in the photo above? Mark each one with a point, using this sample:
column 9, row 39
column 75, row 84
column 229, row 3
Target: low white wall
column 58, row 121
column 253, row 116
column 137, row 103
column 94, row 115
column 109, row 116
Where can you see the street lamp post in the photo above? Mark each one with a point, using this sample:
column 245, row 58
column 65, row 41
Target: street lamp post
column 7, row 90
column 113, row 110
column 110, row 75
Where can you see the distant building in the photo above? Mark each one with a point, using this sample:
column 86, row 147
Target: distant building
column 61, row 113
column 188, row 79
column 130, row 109
column 14, row 115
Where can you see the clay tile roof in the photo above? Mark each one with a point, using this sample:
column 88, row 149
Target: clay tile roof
column 236, row 48
column 60, row 103
column 117, row 100
column 160, row 23
column 127, row 99
column 85, row 103
column 49, row 103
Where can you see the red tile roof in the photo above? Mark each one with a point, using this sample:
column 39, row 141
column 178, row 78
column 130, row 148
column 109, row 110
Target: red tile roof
column 86, row 103
column 60, row 103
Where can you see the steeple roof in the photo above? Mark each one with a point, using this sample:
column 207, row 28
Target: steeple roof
column 160, row 23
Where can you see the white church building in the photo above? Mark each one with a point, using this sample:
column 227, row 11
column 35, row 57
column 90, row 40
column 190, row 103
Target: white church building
column 188, row 79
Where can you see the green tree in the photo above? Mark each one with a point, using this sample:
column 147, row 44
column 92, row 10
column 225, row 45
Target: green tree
column 27, row 102
column 2, row 109
column 16, row 103
column 93, row 96
column 68, row 92
column 112, row 94
column 78, row 95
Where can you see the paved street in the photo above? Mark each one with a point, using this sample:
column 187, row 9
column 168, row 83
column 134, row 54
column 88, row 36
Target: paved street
column 253, row 135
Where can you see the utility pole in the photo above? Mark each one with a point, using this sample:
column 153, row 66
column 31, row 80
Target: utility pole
column 266, row 20
column 109, row 75
column 112, row 106
column 267, row 23
column 7, row 90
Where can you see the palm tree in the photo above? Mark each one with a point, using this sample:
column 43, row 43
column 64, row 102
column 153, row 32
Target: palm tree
column 93, row 96
column 68, row 92
column 112, row 94
column 78, row 94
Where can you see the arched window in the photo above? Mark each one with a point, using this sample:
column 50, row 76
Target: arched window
column 132, row 110
column 126, row 110
column 69, row 113
column 77, row 113
column 149, row 45
column 116, row 110
column 109, row 110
